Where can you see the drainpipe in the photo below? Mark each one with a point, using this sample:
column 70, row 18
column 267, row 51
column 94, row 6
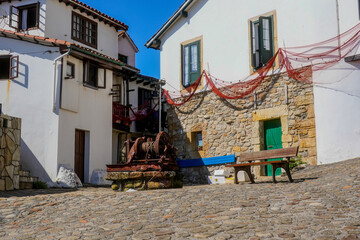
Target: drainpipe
column 56, row 79
column 338, row 26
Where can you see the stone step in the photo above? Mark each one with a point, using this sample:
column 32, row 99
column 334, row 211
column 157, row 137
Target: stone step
column 24, row 173
column 28, row 179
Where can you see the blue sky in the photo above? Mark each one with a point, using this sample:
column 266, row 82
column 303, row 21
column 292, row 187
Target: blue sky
column 144, row 18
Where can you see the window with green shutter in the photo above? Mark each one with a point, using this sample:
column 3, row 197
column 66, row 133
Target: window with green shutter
column 191, row 65
column 262, row 41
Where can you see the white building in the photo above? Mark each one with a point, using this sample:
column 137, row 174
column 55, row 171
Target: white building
column 219, row 36
column 58, row 62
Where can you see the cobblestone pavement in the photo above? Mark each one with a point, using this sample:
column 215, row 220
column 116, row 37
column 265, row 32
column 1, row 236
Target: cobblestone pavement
column 323, row 203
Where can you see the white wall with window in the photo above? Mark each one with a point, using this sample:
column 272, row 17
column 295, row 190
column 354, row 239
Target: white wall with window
column 235, row 43
column 88, row 109
column 24, row 16
column 98, row 35
column 29, row 96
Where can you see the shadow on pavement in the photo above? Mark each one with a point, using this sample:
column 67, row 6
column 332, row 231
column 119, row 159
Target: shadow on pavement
column 35, row 192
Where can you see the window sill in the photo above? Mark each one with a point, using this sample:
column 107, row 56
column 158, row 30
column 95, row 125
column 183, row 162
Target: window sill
column 28, row 29
column 90, row 86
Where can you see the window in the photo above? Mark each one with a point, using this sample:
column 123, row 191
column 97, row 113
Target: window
column 143, row 96
column 84, row 30
column 70, row 70
column 191, row 65
column 25, row 17
column 9, row 67
column 93, row 75
column 123, row 58
column 262, row 41
column 199, row 142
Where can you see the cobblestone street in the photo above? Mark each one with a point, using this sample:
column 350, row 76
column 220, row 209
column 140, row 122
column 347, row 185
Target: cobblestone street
column 323, row 203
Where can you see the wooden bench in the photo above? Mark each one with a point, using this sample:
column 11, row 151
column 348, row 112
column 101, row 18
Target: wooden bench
column 259, row 158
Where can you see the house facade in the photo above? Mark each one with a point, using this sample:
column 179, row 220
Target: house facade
column 58, row 78
column 234, row 40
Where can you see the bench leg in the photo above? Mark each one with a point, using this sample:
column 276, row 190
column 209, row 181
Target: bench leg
column 288, row 173
column 236, row 176
column 248, row 171
column 274, row 167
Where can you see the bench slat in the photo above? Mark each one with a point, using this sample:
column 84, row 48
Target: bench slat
column 254, row 163
column 268, row 154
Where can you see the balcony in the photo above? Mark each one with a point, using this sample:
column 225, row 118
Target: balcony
column 121, row 117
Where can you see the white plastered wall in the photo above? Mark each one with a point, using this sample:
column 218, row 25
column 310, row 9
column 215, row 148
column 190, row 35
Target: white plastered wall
column 337, row 101
column 127, row 49
column 58, row 25
column 225, row 32
column 93, row 114
column 30, row 97
column 5, row 7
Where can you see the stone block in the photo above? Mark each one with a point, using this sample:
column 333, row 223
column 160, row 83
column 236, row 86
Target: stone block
column 129, row 184
column 17, row 134
column 307, row 142
column 8, row 157
column 116, row 175
column 153, row 185
column 16, row 181
column 312, row 152
column 310, row 111
column 304, row 100
column 138, row 184
column 310, row 123
column 270, row 113
column 4, row 173
column 312, row 133
column 10, row 171
column 2, row 185
column 2, row 163
column 286, row 138
column 135, row 175
column 310, row 160
column 236, row 149
column 10, row 143
column 3, row 142
column 9, row 184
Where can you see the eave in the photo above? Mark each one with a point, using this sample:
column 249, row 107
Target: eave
column 155, row 41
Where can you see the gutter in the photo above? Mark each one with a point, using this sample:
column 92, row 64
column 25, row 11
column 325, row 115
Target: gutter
column 169, row 22
column 56, row 96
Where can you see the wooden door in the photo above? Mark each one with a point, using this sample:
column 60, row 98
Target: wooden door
column 80, row 153
column 272, row 131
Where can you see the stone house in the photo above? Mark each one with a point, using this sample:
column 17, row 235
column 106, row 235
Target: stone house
column 62, row 80
column 231, row 41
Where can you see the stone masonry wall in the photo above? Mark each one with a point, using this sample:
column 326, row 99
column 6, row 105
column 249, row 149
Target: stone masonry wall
column 234, row 126
column 10, row 138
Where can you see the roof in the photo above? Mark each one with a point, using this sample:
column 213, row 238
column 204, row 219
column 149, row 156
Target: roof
column 82, row 7
column 51, row 42
column 154, row 41
column 125, row 34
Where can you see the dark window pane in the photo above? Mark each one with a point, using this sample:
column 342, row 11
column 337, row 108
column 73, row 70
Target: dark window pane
column 4, row 67
column 92, row 75
column 31, row 17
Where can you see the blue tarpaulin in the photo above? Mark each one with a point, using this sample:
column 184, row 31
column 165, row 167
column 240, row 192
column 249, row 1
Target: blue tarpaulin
column 206, row 161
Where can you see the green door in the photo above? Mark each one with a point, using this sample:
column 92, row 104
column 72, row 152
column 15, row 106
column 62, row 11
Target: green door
column 272, row 130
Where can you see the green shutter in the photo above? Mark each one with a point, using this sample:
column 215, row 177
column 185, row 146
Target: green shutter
column 266, row 39
column 193, row 62
column 253, row 54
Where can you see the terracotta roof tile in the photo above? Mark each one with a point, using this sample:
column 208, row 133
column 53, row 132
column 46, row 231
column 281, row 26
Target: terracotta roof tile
column 119, row 23
column 56, row 42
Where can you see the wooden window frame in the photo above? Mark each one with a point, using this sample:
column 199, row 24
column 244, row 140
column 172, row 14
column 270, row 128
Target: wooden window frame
column 83, row 31
column 72, row 65
column 121, row 57
column 12, row 66
column 19, row 9
column 197, row 73
column 86, row 83
column 264, row 54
